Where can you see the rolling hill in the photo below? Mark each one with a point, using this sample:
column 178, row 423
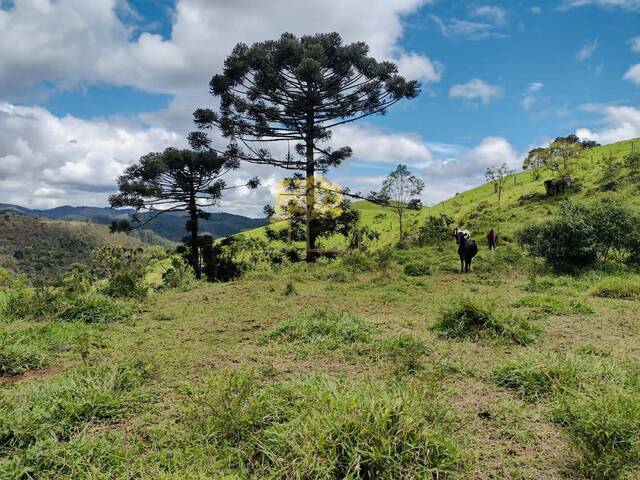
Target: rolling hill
column 523, row 199
column 169, row 225
column 41, row 248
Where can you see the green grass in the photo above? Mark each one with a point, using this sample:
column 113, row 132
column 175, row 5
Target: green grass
column 319, row 428
column 618, row 287
column 472, row 318
column 554, row 305
column 604, row 425
column 255, row 383
column 53, row 412
column 534, row 375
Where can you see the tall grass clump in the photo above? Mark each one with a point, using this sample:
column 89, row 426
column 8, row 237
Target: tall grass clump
column 473, row 318
column 57, row 409
column 322, row 330
column 322, row 428
column 17, row 358
column 56, row 304
column 617, row 287
column 534, row 374
column 604, row 425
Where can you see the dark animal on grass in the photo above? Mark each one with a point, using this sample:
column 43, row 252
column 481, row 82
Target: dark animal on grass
column 492, row 239
column 467, row 249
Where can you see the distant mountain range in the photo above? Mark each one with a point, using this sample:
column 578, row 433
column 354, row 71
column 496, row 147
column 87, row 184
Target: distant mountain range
column 169, row 225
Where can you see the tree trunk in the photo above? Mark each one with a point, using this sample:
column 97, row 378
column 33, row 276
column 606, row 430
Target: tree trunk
column 310, row 203
column 400, row 212
column 193, row 228
column 310, row 192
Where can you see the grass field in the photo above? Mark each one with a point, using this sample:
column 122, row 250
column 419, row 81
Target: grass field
column 353, row 368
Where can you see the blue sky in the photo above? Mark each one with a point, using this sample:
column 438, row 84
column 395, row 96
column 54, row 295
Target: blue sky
column 88, row 87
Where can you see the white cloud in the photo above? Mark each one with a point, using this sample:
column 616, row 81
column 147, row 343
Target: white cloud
column 470, row 29
column 529, row 97
column 496, row 15
column 476, row 89
column 374, row 145
column 68, row 42
column 624, row 4
column 633, row 74
column 536, row 10
column 617, row 123
column 44, row 157
column 587, row 50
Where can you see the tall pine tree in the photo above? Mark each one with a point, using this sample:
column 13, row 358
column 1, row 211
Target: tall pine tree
column 299, row 89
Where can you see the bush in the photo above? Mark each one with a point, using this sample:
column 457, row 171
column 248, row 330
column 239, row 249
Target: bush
column 179, row 276
column 580, row 235
column 566, row 242
column 471, row 318
column 435, row 229
column 417, row 269
column 320, row 428
column 604, row 425
column 357, row 262
column 617, row 287
column 126, row 284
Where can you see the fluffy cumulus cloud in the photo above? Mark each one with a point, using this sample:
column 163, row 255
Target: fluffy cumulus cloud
column 617, row 123
column 74, row 41
column 58, row 159
column 52, row 45
column 476, row 90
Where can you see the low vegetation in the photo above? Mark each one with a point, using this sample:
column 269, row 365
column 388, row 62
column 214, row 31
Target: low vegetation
column 474, row 318
column 309, row 428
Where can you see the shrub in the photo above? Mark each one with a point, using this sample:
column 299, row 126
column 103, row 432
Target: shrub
column 321, row 428
column 580, row 235
column 417, row 269
column 357, row 262
column 617, row 287
column 179, row 276
column 471, row 318
column 435, row 229
column 93, row 308
column 126, row 284
column 566, row 242
column 604, row 425
column 632, row 161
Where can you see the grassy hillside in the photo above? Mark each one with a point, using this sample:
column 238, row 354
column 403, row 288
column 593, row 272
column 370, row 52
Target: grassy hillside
column 384, row 365
column 523, row 199
column 44, row 248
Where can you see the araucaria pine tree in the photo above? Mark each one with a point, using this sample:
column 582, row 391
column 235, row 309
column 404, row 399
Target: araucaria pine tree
column 177, row 181
column 299, row 89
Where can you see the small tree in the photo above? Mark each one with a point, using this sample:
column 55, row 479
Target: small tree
column 399, row 192
column 498, row 176
column 176, row 181
column 299, row 89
